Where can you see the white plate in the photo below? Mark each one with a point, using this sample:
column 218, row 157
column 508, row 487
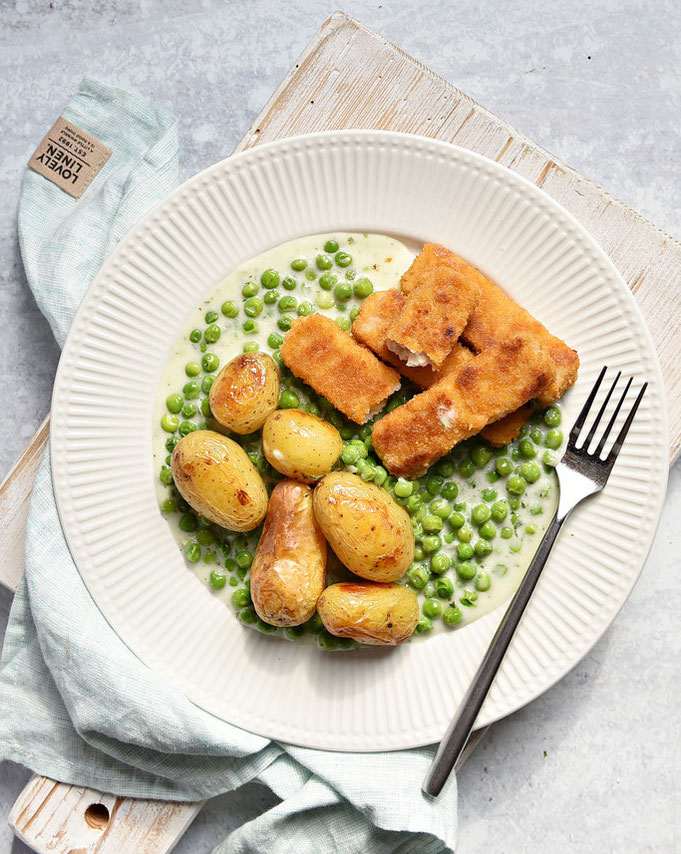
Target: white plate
column 110, row 370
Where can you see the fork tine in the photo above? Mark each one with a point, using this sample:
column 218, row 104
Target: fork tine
column 577, row 426
column 597, row 420
column 619, row 441
column 613, row 418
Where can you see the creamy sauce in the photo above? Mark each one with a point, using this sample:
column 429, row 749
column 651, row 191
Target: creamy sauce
column 382, row 259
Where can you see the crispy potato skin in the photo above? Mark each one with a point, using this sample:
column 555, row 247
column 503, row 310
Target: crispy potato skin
column 377, row 614
column 337, row 367
column 245, row 392
column 410, row 438
column 300, row 445
column 289, row 570
column 370, row 533
column 213, row 474
column 371, row 327
column 505, row 430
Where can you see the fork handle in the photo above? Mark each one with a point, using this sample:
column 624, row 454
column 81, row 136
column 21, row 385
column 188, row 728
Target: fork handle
column 461, row 726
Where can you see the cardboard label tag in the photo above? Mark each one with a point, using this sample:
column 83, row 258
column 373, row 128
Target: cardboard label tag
column 69, row 157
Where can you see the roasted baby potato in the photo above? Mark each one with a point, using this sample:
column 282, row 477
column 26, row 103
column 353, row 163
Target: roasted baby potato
column 377, row 614
column 371, row 534
column 213, row 474
column 300, row 445
column 245, row 392
column 289, row 570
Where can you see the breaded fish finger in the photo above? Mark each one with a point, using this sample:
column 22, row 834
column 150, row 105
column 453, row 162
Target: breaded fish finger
column 377, row 314
column 501, row 432
column 412, row 437
column 432, row 318
column 337, row 367
column 430, row 258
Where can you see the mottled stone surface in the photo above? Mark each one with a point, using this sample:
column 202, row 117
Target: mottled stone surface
column 595, row 764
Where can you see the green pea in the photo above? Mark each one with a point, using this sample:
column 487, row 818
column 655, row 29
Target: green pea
column 250, row 327
column 444, row 588
column 270, row 297
column 550, row 458
column 310, row 274
column 418, row 577
column 191, row 390
column 250, row 289
column 480, row 514
column 452, row 615
column 506, row 532
column 169, row 423
column 466, row 570
column 449, row 490
column 482, row 581
column 218, row 579
column 207, row 383
column 166, row 475
column 189, row 410
column 489, row 494
column 350, row 455
column 269, row 279
column 432, row 524
column 342, row 292
column 353, row 314
column 305, row 309
column 530, row 471
column 212, row 333
column 536, row 510
column 440, row 563
column 324, row 300
column 431, row 544
column 457, row 520
column 553, row 439
column 243, row 559
column 343, row 259
column 284, row 323
column 331, row 246
column 488, row 531
column 530, row 529
column 419, row 554
column 229, row 308
column 288, row 400
column 464, row 551
column 403, row 488
column 368, row 471
column 195, row 336
column 343, row 323
column 288, row 284
column 251, row 347
column 480, row 455
column 328, row 281
column 465, row 534
column 504, row 466
column 536, row 435
column 380, row 476
column 205, row 408
column 253, row 307
column 324, row 262
column 192, row 552
column 440, row 507
column 527, row 448
column 327, row 641
column 516, row 484
column 431, row 608
column 499, row 510
column 424, row 625
column 211, row 316
column 248, row 616
column 174, row 403
column 483, row 548
column 206, row 537
column 552, row 417
column 434, row 484
column 187, row 427
column 169, row 505
column 210, row 362
column 413, row 503
column 192, row 369
column 287, row 303
column 241, row 597
column 171, row 442
column 363, row 287
column 299, row 264
column 466, row 469
column 514, row 503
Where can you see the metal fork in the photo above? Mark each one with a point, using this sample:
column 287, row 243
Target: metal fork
column 580, row 474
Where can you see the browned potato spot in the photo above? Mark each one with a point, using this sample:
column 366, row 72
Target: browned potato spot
column 245, row 392
column 370, row 533
column 300, row 445
column 375, row 614
column 214, row 475
column 289, row 570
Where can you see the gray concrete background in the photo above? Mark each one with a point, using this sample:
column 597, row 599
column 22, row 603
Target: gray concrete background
column 595, row 764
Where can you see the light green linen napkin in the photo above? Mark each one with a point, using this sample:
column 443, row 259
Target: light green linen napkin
column 75, row 704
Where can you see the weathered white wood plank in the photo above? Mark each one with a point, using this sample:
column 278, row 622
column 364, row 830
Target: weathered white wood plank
column 58, row 819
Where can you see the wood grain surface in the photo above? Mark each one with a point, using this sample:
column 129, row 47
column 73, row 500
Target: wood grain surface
column 350, row 77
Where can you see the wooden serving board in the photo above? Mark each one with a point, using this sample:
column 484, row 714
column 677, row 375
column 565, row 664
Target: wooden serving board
column 350, row 77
